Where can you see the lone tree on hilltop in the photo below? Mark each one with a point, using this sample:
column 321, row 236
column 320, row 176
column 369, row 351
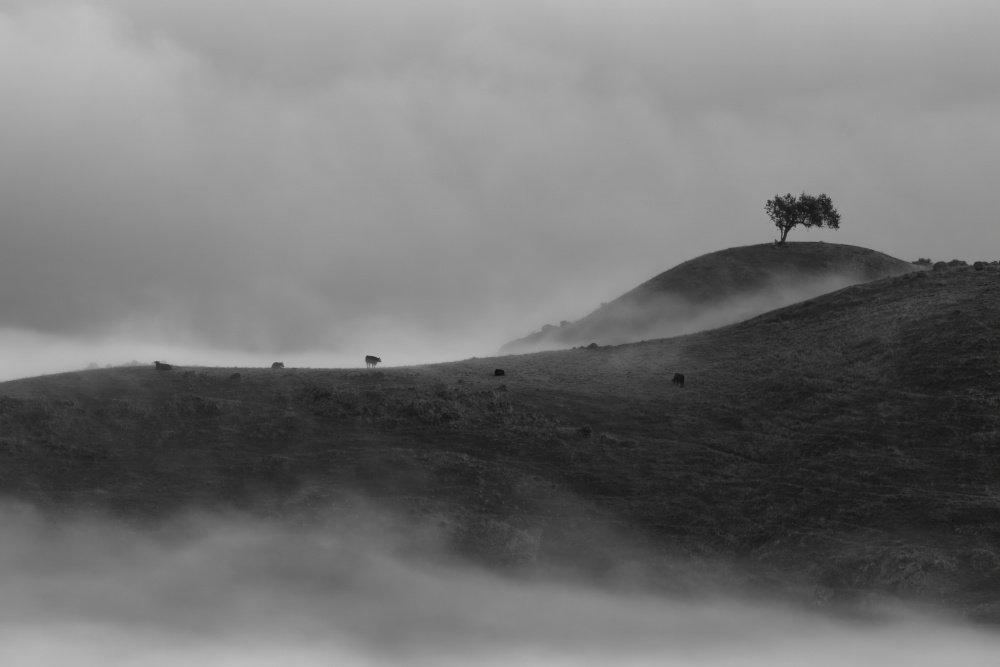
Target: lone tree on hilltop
column 805, row 210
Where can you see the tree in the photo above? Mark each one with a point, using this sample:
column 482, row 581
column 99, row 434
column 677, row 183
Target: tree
column 788, row 211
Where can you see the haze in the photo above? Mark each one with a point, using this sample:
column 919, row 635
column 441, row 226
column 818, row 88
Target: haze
column 667, row 316
column 225, row 590
column 229, row 183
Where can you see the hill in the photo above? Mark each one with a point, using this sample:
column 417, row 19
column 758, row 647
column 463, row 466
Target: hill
column 717, row 289
column 840, row 451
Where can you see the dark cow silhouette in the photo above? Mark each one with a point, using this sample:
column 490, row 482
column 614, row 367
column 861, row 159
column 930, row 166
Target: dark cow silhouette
column 235, row 376
column 163, row 367
column 370, row 361
column 498, row 372
column 678, row 379
column 277, row 364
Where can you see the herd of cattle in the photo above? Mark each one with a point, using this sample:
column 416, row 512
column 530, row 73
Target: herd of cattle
column 371, row 361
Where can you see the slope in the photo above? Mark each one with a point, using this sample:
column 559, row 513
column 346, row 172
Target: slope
column 844, row 450
column 717, row 289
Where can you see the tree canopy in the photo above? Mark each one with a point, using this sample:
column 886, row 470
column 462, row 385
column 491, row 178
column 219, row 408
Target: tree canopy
column 806, row 210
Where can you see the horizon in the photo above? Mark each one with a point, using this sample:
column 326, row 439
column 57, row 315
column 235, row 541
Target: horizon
column 296, row 180
column 58, row 356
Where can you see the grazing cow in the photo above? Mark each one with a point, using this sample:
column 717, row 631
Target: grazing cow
column 163, row 367
column 277, row 364
column 498, row 372
column 235, row 377
column 678, row 379
column 370, row 361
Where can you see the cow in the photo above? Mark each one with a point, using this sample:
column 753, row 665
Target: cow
column 235, row 377
column 277, row 364
column 498, row 372
column 678, row 379
column 370, row 361
column 163, row 367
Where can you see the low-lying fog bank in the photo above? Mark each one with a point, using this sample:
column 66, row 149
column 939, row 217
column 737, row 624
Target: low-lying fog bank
column 222, row 590
column 665, row 315
column 29, row 354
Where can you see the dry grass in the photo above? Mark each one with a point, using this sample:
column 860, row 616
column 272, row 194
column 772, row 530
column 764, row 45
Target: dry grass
column 846, row 445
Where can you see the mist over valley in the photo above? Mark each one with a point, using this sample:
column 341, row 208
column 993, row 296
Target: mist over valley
column 367, row 588
column 269, row 392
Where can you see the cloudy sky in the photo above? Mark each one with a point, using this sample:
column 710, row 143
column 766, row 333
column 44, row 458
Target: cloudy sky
column 227, row 182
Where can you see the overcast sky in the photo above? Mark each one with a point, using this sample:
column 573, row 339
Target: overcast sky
column 228, row 182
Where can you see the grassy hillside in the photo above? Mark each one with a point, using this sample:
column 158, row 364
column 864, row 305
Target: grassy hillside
column 717, row 289
column 843, row 450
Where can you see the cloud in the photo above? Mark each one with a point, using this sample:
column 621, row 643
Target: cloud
column 305, row 175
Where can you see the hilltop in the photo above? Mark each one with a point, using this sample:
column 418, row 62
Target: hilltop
column 717, row 289
column 839, row 452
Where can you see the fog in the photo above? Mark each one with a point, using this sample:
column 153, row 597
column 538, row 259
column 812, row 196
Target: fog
column 688, row 318
column 230, row 590
column 664, row 315
column 426, row 181
column 29, row 354
column 677, row 316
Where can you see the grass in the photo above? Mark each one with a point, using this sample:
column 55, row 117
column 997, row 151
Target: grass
column 840, row 448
